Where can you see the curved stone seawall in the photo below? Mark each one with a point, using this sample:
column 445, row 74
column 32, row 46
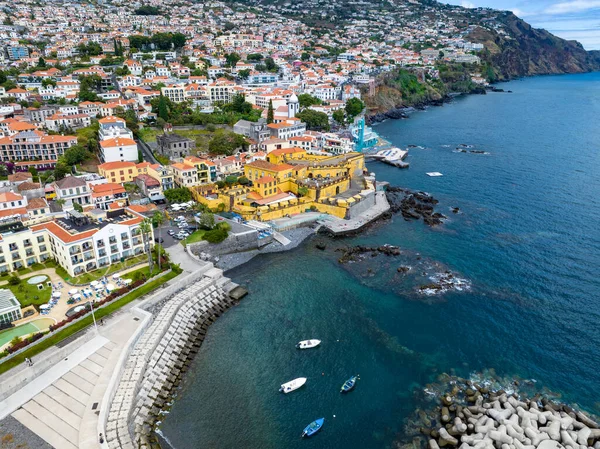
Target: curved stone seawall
column 159, row 356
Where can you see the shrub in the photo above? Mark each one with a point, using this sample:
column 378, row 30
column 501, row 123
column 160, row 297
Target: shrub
column 220, row 184
column 22, row 343
column 242, row 180
column 14, row 280
column 216, row 235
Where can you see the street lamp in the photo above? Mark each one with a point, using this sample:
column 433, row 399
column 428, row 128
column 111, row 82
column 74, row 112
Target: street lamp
column 94, row 316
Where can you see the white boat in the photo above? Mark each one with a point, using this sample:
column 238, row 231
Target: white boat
column 292, row 385
column 434, row 174
column 307, row 344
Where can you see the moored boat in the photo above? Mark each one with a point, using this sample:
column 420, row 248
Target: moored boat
column 292, row 385
column 349, row 384
column 313, row 427
column 307, row 344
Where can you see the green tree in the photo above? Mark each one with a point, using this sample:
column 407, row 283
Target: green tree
column 3, row 77
column 270, row 65
column 243, row 181
column 270, row 112
column 179, row 40
column 147, row 10
column 207, row 220
column 88, row 87
column 41, row 62
column 74, row 155
column 179, row 195
column 253, row 57
column 225, row 142
column 243, row 74
column 316, row 121
column 339, row 116
column 34, row 173
column 78, row 207
column 146, row 228
column 61, row 170
column 306, row 100
column 48, row 82
column 163, row 111
column 231, row 59
column 158, row 218
column 354, row 106
column 60, row 202
column 305, row 56
column 238, row 104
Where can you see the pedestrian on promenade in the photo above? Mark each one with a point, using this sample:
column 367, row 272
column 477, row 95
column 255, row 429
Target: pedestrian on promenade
column 27, row 361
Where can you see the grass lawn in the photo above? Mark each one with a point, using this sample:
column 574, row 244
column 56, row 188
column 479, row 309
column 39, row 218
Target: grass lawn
column 85, row 322
column 194, row 237
column 29, row 294
column 86, row 278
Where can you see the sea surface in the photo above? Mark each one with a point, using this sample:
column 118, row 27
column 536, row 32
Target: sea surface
column 526, row 241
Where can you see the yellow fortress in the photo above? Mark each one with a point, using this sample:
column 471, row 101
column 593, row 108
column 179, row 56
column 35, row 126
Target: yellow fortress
column 292, row 181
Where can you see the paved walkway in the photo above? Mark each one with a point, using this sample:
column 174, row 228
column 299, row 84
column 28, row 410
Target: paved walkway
column 61, row 405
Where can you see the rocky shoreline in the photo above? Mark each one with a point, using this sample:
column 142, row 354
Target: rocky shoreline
column 403, row 112
column 474, row 415
column 414, row 205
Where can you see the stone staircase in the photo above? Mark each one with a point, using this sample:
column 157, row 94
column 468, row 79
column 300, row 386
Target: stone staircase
column 56, row 414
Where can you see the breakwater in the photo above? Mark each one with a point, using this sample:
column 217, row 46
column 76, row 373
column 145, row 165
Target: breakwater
column 471, row 416
column 161, row 353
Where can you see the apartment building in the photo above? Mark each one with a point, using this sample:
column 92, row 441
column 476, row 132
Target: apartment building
column 175, row 92
column 185, row 175
column 31, row 145
column 119, row 172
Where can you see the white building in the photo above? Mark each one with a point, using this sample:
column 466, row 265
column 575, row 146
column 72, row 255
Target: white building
column 10, row 308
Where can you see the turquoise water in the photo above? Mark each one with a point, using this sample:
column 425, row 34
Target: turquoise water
column 527, row 239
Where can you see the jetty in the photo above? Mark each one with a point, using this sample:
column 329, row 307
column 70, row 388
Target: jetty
column 391, row 156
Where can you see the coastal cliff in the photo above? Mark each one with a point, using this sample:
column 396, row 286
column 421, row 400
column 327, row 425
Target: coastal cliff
column 530, row 51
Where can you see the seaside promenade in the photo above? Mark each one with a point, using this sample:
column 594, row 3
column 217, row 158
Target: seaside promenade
column 62, row 400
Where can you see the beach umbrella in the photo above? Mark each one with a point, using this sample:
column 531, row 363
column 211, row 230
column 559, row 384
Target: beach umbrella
column 99, row 287
column 110, row 287
column 94, row 283
column 127, row 281
column 76, row 297
column 44, row 306
column 72, row 291
column 115, row 276
column 56, row 295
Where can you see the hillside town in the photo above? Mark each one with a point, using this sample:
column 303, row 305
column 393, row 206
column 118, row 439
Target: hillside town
column 148, row 147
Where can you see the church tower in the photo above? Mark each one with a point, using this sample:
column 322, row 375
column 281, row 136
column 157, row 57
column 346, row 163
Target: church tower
column 293, row 106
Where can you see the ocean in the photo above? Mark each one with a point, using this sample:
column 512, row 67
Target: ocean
column 526, row 242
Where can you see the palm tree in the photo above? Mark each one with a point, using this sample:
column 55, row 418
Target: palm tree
column 159, row 219
column 146, row 228
column 61, row 202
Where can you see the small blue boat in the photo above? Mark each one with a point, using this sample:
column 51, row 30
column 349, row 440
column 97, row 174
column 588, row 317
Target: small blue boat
column 349, row 384
column 313, row 427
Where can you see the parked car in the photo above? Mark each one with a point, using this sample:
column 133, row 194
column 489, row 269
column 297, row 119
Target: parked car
column 180, row 218
column 159, row 240
column 171, row 232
